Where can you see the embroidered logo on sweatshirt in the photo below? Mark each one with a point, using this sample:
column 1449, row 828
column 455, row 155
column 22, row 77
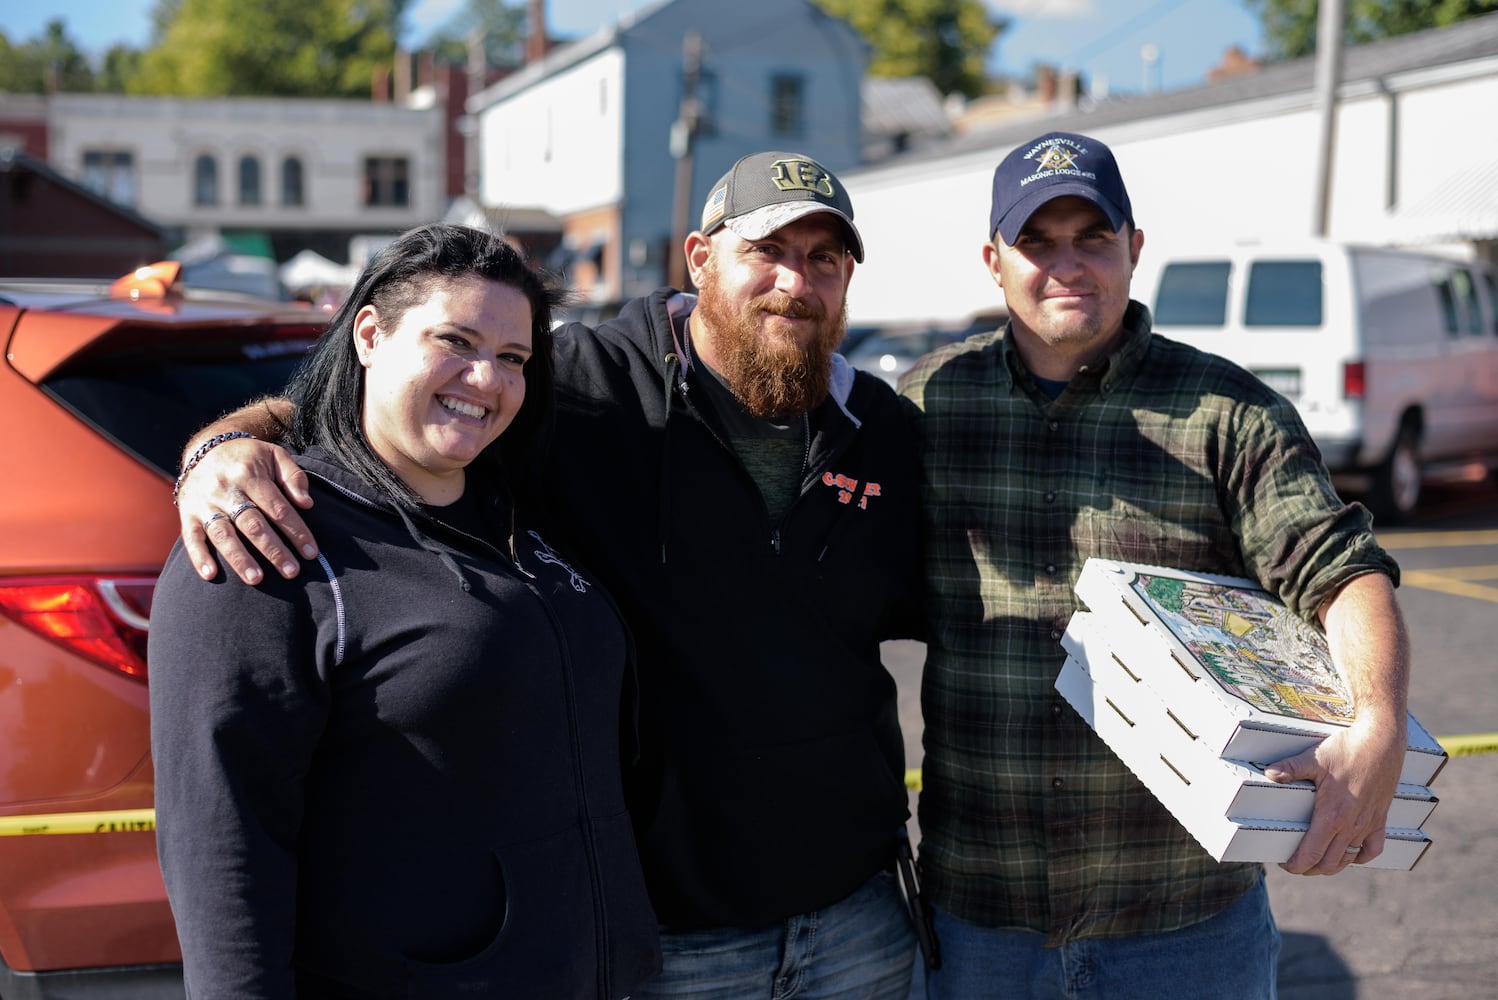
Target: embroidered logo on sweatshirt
column 847, row 489
column 548, row 555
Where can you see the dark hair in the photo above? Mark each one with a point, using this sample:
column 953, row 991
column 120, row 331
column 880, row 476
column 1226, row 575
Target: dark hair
column 328, row 389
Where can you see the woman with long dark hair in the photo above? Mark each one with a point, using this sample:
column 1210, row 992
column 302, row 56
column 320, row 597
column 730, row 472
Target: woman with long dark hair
column 399, row 774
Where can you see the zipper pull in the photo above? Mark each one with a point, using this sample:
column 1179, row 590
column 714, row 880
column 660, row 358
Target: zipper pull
column 775, row 540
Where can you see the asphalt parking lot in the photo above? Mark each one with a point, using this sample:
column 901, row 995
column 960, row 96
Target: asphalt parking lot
column 1432, row 932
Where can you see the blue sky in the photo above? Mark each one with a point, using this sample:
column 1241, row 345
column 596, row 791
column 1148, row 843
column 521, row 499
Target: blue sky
column 1104, row 39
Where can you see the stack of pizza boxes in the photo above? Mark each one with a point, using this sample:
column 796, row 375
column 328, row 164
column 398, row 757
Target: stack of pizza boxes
column 1197, row 682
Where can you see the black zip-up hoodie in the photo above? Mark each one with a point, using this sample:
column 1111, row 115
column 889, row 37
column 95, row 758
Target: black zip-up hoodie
column 399, row 774
column 771, row 777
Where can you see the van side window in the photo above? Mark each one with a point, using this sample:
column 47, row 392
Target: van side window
column 1283, row 293
column 1464, row 291
column 1446, row 295
column 1193, row 294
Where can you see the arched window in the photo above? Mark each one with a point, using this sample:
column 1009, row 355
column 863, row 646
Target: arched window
column 249, row 180
column 205, row 180
column 291, row 181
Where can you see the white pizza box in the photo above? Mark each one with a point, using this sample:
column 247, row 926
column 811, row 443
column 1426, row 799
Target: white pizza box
column 1231, row 663
column 1239, row 789
column 1223, row 837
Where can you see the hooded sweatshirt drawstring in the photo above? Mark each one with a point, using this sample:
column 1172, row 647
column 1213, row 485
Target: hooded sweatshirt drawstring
column 663, row 508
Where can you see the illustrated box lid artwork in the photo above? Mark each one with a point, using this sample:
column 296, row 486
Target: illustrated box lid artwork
column 1224, row 837
column 1236, row 789
column 1231, row 663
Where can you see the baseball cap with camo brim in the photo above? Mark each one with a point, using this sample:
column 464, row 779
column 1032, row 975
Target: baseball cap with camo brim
column 764, row 192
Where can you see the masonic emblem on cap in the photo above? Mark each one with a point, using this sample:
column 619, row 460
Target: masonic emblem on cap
column 1057, row 158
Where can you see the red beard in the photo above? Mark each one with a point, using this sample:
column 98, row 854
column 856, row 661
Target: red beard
column 772, row 377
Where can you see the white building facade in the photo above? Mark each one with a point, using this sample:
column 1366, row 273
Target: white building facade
column 1412, row 164
column 270, row 166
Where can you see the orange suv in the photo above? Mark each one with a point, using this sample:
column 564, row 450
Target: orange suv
column 101, row 387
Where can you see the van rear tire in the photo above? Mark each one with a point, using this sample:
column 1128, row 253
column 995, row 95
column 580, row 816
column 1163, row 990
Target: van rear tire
column 1396, row 481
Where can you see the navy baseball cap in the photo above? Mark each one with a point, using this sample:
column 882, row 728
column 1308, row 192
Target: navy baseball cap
column 764, row 192
column 1053, row 166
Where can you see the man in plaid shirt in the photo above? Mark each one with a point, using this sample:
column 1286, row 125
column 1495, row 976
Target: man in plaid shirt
column 1073, row 432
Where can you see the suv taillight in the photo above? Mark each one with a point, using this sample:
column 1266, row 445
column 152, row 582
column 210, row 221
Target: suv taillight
column 104, row 619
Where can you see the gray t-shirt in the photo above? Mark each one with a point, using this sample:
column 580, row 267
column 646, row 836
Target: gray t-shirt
column 774, row 451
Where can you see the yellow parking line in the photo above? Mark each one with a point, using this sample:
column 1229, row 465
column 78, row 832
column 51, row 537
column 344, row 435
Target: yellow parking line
column 113, row 821
column 1464, row 572
column 1439, row 539
column 1447, row 582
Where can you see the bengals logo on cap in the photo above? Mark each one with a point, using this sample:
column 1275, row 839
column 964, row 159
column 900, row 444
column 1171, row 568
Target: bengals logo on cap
column 801, row 175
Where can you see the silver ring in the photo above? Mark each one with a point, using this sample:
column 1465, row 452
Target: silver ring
column 215, row 516
column 1353, row 849
column 247, row 505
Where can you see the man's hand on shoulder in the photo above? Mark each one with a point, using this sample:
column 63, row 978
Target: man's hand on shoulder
column 235, row 488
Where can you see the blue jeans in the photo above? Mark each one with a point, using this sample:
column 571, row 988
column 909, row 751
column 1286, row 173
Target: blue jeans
column 859, row 949
column 1231, row 956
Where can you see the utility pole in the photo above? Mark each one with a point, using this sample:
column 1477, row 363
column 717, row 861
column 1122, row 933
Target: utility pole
column 476, row 69
column 1328, row 78
column 683, row 142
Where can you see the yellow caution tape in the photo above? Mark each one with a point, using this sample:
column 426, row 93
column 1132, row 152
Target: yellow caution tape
column 144, row 820
column 114, row 821
column 1463, row 746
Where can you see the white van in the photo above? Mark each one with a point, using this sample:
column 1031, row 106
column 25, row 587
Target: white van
column 1390, row 356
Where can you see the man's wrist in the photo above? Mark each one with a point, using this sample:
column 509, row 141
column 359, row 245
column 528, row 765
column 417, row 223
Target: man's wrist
column 197, row 456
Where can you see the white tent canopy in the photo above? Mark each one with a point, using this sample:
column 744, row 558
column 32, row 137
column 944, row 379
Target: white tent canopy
column 310, row 269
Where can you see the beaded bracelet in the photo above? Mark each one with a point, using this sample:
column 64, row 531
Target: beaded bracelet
column 197, row 456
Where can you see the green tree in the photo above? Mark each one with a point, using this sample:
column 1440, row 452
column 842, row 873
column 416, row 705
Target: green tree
column 120, row 65
column 945, row 40
column 1290, row 25
column 162, row 15
column 502, row 27
column 11, row 74
column 51, row 62
column 276, row 48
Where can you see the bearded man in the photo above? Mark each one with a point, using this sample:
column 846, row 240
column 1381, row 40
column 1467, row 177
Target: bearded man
column 751, row 502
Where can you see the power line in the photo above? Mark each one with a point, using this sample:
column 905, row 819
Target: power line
column 1116, row 36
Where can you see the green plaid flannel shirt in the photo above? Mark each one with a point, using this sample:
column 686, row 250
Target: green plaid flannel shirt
column 1161, row 454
